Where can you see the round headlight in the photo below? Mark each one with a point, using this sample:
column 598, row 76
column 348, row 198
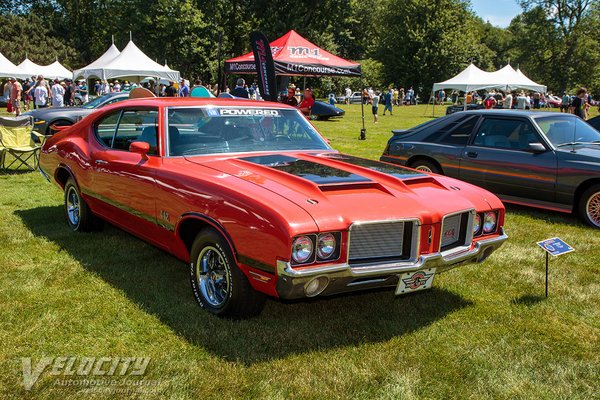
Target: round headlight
column 489, row 222
column 302, row 249
column 476, row 224
column 325, row 245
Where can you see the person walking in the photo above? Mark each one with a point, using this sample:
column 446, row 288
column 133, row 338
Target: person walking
column 348, row 95
column 375, row 106
column 579, row 104
column 69, row 93
column 387, row 102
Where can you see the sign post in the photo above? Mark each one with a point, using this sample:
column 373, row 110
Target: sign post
column 554, row 247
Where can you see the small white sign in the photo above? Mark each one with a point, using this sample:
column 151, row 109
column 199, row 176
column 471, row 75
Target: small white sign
column 413, row 281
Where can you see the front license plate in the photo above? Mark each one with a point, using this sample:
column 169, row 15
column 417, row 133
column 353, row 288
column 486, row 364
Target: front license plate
column 413, row 281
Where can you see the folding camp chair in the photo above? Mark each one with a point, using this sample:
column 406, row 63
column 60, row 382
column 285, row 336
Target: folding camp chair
column 16, row 140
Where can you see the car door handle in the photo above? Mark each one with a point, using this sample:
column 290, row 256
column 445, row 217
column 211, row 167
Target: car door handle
column 101, row 162
column 472, row 154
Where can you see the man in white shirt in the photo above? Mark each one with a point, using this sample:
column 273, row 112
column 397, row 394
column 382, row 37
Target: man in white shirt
column 41, row 95
column 58, row 94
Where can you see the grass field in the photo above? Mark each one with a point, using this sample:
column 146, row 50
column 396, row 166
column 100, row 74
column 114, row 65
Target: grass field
column 485, row 331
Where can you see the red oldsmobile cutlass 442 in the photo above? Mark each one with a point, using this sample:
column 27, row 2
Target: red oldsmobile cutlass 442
column 258, row 203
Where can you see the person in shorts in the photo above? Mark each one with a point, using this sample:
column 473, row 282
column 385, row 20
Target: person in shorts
column 375, row 106
column 15, row 96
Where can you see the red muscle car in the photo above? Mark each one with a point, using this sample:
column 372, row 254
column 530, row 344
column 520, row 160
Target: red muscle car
column 256, row 201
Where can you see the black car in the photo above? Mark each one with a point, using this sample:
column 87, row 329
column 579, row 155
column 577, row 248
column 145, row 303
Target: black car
column 324, row 111
column 595, row 122
column 44, row 118
column 546, row 160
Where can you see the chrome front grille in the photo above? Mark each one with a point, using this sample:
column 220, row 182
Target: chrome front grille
column 456, row 230
column 451, row 230
column 379, row 240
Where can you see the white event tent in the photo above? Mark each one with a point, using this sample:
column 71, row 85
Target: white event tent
column 30, row 68
column 132, row 63
column 95, row 68
column 56, row 70
column 473, row 78
column 8, row 69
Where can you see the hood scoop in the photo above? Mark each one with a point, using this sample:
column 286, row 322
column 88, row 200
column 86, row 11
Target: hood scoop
column 323, row 176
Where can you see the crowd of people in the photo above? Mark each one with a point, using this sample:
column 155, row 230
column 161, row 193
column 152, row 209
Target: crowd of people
column 578, row 104
column 38, row 92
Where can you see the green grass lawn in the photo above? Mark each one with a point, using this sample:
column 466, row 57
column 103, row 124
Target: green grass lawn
column 485, row 331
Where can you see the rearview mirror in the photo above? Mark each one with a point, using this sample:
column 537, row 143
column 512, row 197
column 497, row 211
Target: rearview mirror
column 139, row 147
column 536, row 148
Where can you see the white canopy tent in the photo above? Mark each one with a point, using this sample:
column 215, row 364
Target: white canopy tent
column 473, row 78
column 56, row 70
column 8, row 69
column 30, row 68
column 136, row 65
column 95, row 68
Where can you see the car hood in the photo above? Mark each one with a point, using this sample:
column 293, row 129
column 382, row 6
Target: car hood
column 337, row 189
column 583, row 150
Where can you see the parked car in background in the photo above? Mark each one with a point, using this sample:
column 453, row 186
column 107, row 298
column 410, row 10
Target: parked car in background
column 458, row 108
column 356, row 98
column 545, row 160
column 45, row 118
column 553, row 101
column 324, row 111
column 255, row 200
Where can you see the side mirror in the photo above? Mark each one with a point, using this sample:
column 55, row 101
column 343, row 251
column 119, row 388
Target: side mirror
column 536, row 148
column 141, row 148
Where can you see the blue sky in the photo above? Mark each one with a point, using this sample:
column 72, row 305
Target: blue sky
column 498, row 12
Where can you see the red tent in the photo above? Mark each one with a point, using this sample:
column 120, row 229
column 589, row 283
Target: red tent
column 293, row 55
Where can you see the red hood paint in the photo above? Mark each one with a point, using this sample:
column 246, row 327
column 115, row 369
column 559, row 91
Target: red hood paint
column 385, row 197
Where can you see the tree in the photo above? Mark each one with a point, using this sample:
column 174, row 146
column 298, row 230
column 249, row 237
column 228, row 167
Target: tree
column 558, row 30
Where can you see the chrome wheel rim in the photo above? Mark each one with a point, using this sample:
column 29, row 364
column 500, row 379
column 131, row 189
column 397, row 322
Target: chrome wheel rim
column 73, row 206
column 592, row 209
column 212, row 276
column 423, row 168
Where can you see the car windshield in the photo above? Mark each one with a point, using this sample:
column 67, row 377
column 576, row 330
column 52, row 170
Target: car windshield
column 210, row 130
column 97, row 101
column 565, row 131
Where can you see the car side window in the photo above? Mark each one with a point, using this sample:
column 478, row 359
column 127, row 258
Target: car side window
column 137, row 126
column 500, row 133
column 105, row 129
column 460, row 135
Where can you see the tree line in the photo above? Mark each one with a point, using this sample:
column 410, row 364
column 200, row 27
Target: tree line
column 398, row 42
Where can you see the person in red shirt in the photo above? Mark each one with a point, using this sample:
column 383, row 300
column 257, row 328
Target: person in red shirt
column 306, row 105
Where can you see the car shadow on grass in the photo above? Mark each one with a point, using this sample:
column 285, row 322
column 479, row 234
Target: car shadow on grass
column 159, row 284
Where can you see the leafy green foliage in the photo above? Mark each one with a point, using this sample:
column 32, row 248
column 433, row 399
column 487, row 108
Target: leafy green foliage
column 404, row 42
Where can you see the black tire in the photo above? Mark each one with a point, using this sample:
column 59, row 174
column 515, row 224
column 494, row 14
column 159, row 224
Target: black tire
column 425, row 166
column 79, row 216
column 589, row 206
column 218, row 285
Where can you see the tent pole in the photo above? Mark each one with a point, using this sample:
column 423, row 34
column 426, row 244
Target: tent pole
column 433, row 108
column 363, row 131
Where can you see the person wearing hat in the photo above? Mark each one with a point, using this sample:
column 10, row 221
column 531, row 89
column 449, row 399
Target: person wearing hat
column 58, row 93
column 15, row 95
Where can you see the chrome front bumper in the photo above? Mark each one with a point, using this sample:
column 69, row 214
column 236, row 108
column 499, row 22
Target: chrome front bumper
column 345, row 278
